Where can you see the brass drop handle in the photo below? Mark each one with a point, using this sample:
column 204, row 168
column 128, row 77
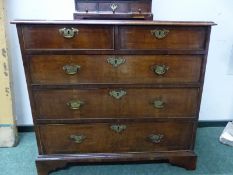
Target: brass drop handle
column 155, row 138
column 71, row 69
column 117, row 94
column 160, row 69
column 68, row 32
column 118, row 128
column 78, row 138
column 160, row 33
column 159, row 104
column 75, row 104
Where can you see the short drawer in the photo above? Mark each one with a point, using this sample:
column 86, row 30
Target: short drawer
column 140, row 7
column 68, row 37
column 136, row 69
column 87, row 6
column 116, row 7
column 115, row 103
column 162, row 38
column 119, row 7
column 115, row 137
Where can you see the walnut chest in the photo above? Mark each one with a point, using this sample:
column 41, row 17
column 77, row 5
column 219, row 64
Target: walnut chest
column 114, row 91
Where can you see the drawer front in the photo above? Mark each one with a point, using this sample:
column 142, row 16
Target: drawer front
column 115, row 137
column 116, row 6
column 87, row 6
column 68, row 37
column 141, row 7
column 71, row 69
column 162, row 37
column 115, row 103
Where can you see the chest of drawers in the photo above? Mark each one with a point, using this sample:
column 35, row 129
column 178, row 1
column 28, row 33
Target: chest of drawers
column 114, row 91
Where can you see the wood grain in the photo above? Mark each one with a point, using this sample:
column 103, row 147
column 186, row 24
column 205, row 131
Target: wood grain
column 136, row 103
column 140, row 38
column 45, row 69
column 101, row 139
column 48, row 37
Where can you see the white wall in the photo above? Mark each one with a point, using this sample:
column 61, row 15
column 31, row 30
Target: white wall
column 217, row 103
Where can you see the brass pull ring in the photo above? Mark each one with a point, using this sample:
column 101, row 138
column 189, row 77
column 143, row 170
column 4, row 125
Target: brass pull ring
column 71, row 69
column 68, row 32
column 75, row 104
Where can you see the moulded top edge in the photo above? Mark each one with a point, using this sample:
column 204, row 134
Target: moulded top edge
column 117, row 22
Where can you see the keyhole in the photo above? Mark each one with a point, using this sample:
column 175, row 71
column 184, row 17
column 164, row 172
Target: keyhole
column 117, row 93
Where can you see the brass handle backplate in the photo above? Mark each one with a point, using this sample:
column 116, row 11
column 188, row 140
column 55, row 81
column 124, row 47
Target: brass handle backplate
column 118, row 128
column 117, row 94
column 75, row 104
column 115, row 61
column 78, row 138
column 159, row 104
column 155, row 138
column 68, row 32
column 160, row 33
column 71, row 69
column 160, row 69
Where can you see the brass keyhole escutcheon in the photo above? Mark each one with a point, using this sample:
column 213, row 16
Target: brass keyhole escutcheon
column 160, row 69
column 159, row 104
column 117, row 94
column 78, row 138
column 113, row 7
column 118, row 128
column 155, row 138
column 115, row 61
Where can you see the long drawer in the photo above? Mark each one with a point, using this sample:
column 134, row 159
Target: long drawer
column 148, row 69
column 162, row 37
column 116, row 103
column 68, row 37
column 115, row 137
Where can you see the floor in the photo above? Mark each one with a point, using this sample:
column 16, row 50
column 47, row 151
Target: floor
column 214, row 159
